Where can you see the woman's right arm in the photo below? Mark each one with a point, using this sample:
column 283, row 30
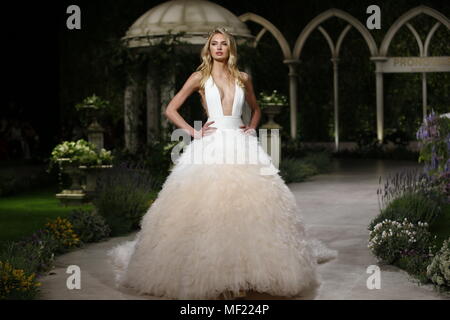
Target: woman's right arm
column 191, row 85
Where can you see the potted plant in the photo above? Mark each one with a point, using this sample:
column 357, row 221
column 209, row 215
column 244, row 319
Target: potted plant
column 71, row 157
column 91, row 108
column 271, row 105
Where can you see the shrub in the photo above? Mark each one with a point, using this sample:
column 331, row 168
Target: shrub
column 390, row 240
column 439, row 269
column 413, row 206
column 123, row 195
column 154, row 158
column 295, row 170
column 62, row 231
column 321, row 160
column 89, row 225
column 33, row 254
column 434, row 138
column 368, row 144
column 16, row 284
column 434, row 141
column 408, row 194
column 415, row 263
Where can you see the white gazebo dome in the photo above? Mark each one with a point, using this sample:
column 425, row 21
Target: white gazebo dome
column 195, row 17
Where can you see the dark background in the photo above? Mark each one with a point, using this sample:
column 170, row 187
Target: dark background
column 48, row 68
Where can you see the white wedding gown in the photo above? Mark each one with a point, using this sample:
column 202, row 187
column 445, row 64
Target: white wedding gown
column 221, row 227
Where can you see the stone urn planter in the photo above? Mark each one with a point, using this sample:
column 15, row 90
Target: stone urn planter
column 271, row 110
column 91, row 173
column 74, row 195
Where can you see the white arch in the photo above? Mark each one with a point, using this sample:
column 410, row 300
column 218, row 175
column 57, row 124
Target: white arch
column 285, row 48
column 429, row 36
column 404, row 19
column 299, row 43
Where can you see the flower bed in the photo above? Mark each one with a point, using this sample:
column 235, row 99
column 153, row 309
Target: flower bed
column 412, row 230
column 21, row 262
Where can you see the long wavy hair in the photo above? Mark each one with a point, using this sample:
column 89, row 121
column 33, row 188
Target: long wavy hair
column 207, row 61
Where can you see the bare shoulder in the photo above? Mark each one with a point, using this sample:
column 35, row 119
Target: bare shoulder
column 196, row 76
column 194, row 80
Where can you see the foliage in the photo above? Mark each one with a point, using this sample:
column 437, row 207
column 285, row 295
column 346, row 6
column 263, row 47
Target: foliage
column 19, row 180
column 439, row 269
column 378, row 151
column 165, row 57
column 274, row 98
column 390, row 240
column 88, row 225
column 15, row 284
column 294, row 170
column 92, row 102
column 414, row 206
column 123, row 195
column 434, row 138
column 295, row 148
column 80, row 152
column 91, row 109
column 62, row 231
column 291, row 148
column 154, row 157
column 35, row 253
column 407, row 230
column 319, row 159
column 408, row 193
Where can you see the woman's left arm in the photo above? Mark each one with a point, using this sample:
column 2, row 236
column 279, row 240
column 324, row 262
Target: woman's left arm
column 253, row 104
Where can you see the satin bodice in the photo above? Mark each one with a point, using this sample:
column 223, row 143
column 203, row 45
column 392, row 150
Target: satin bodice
column 215, row 109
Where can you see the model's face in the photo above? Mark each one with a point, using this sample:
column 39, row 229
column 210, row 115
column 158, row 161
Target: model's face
column 218, row 47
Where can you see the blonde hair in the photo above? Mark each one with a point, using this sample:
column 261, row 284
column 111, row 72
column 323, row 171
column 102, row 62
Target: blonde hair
column 205, row 67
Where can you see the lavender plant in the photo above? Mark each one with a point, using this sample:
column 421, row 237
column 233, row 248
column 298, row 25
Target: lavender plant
column 408, row 194
column 123, row 195
column 90, row 226
column 434, row 141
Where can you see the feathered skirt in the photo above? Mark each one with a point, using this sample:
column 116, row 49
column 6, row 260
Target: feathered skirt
column 221, row 225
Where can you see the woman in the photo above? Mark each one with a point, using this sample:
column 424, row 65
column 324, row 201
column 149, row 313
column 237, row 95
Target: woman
column 221, row 227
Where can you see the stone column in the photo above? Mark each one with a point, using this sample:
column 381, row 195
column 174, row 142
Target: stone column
column 293, row 87
column 131, row 114
column 380, row 100
column 336, row 102
column 152, row 109
column 424, row 94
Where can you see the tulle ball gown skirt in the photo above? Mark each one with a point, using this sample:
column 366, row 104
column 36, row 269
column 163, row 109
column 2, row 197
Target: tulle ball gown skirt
column 221, row 226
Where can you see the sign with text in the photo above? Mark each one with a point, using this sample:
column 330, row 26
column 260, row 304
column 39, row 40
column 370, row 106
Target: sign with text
column 416, row 64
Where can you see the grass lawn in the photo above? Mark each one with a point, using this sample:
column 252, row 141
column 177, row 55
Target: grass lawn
column 23, row 214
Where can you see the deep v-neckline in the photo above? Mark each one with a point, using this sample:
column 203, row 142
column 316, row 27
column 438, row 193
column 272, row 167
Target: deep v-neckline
column 220, row 100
